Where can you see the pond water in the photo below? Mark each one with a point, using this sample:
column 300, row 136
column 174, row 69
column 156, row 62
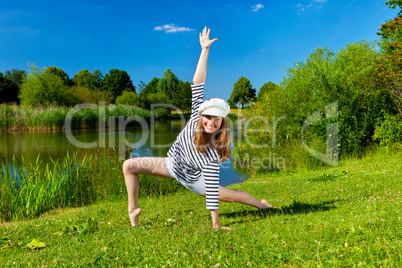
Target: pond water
column 147, row 140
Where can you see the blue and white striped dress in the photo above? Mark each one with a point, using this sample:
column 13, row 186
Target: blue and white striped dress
column 189, row 164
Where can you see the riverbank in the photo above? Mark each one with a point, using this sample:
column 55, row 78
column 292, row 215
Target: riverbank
column 24, row 118
column 344, row 216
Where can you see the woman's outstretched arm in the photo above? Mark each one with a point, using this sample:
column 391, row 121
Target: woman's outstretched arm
column 201, row 71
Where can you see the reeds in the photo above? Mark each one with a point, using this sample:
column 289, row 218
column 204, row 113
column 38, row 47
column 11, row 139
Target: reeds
column 28, row 191
column 14, row 117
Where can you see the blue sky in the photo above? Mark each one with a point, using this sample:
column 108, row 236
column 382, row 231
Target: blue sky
column 257, row 39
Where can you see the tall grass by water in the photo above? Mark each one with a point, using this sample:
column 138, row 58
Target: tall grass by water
column 28, row 191
column 14, row 117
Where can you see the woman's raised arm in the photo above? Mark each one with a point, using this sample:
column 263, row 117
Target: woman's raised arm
column 201, row 71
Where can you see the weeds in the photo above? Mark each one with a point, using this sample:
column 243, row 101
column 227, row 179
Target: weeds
column 29, row 191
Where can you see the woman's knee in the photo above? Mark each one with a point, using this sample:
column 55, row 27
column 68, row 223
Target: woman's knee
column 129, row 166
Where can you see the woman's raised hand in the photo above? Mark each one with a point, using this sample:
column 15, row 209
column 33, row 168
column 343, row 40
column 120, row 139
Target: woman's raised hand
column 204, row 38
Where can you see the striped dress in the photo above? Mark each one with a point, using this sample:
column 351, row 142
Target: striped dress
column 189, row 164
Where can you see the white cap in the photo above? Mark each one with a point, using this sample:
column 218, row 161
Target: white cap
column 214, row 107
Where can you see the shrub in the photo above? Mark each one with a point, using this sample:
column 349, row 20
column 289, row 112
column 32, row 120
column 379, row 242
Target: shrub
column 344, row 79
column 45, row 88
column 128, row 98
column 388, row 130
column 161, row 112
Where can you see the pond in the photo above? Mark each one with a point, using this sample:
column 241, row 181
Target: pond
column 146, row 140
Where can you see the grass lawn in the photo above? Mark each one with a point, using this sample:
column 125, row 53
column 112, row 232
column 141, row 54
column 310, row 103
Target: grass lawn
column 345, row 216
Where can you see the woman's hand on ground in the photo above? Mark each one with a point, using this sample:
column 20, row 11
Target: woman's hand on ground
column 204, row 38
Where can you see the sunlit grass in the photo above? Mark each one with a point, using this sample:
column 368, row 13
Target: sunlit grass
column 337, row 217
column 28, row 191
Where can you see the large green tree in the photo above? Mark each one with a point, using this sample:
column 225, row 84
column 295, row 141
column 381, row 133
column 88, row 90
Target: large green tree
column 267, row 87
column 182, row 96
column 151, row 87
column 60, row 73
column 243, row 92
column 168, row 84
column 45, row 88
column 117, row 81
column 389, row 67
column 85, row 78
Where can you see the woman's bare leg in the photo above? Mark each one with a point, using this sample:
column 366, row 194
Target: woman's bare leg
column 142, row 165
column 229, row 195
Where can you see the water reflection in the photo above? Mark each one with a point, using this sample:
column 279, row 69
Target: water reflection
column 155, row 140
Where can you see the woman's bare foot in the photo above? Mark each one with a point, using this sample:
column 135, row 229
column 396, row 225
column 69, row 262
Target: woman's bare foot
column 133, row 215
column 266, row 204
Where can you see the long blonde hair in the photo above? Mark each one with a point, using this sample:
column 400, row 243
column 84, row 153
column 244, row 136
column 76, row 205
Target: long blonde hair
column 220, row 140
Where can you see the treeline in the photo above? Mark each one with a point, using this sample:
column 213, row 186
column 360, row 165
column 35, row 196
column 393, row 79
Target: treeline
column 357, row 90
column 53, row 87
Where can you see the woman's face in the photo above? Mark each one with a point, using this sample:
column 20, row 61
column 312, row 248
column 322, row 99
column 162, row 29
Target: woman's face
column 211, row 123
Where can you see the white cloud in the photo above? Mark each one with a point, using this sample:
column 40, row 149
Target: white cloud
column 257, row 7
column 303, row 7
column 171, row 28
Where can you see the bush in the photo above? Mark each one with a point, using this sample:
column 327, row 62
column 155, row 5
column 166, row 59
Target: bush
column 85, row 95
column 45, row 88
column 161, row 113
column 344, row 79
column 128, row 98
column 388, row 130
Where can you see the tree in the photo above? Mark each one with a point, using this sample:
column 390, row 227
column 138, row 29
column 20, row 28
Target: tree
column 45, row 88
column 60, row 73
column 8, row 90
column 151, row 87
column 15, row 75
column 128, row 98
column 393, row 3
column 146, row 100
column 168, row 84
column 92, row 81
column 389, row 67
column 182, row 96
column 242, row 93
column 117, row 81
column 141, row 86
column 267, row 87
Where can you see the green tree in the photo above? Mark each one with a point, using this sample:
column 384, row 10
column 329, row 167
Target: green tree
column 267, row 87
column 141, row 86
column 243, row 92
column 60, row 73
column 389, row 67
column 182, row 96
column 45, row 88
column 117, row 81
column 128, row 98
column 168, row 84
column 393, row 4
column 15, row 75
column 8, row 90
column 85, row 78
column 151, row 87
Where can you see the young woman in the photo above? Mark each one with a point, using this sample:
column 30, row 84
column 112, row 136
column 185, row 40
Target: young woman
column 195, row 157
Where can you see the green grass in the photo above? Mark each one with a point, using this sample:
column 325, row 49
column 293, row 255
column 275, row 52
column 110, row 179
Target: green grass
column 13, row 117
column 28, row 191
column 348, row 216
